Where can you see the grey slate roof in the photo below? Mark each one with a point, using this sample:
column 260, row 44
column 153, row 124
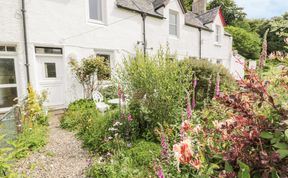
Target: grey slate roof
column 191, row 20
column 150, row 7
column 146, row 6
column 208, row 16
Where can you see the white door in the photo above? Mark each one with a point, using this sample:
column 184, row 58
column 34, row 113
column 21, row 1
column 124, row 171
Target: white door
column 51, row 79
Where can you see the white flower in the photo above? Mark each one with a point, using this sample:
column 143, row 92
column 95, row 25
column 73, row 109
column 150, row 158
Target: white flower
column 110, row 138
column 112, row 129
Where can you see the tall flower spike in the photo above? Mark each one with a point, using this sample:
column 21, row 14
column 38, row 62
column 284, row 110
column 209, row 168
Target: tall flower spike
column 263, row 54
column 164, row 145
column 160, row 173
column 188, row 109
column 217, row 85
column 194, row 93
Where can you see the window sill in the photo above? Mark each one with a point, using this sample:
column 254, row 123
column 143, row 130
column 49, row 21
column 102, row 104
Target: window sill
column 217, row 44
column 96, row 22
column 174, row 37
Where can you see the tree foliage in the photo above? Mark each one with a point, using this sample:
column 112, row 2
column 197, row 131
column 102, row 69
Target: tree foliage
column 89, row 72
column 247, row 43
column 232, row 13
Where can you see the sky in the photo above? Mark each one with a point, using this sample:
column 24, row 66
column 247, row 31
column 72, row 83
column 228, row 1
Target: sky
column 263, row 8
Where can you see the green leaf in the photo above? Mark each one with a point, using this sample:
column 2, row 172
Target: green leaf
column 266, row 135
column 275, row 140
column 283, row 153
column 286, row 133
column 281, row 146
column 244, row 171
column 274, row 174
column 228, row 167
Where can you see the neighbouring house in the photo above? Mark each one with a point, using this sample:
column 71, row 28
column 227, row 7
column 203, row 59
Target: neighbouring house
column 38, row 38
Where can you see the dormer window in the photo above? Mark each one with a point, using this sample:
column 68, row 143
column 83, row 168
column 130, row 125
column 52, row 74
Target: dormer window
column 96, row 10
column 218, row 33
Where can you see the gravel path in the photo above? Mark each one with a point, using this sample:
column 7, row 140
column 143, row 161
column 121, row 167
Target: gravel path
column 61, row 157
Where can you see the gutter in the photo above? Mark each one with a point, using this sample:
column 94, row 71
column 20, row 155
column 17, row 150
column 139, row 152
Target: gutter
column 200, row 43
column 143, row 15
column 25, row 41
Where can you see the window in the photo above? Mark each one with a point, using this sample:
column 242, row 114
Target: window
column 219, row 61
column 50, row 70
column 6, row 48
column 8, row 86
column 218, row 33
column 46, row 50
column 173, row 23
column 106, row 58
column 96, row 10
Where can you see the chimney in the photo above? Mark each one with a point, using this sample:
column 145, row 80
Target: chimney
column 199, row 6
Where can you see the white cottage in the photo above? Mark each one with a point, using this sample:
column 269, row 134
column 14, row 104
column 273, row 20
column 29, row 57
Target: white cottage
column 38, row 37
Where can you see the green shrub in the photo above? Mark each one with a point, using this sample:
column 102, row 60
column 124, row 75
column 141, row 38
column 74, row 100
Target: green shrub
column 30, row 140
column 93, row 129
column 134, row 162
column 247, row 43
column 156, row 87
column 110, row 92
column 144, row 152
column 205, row 71
column 75, row 110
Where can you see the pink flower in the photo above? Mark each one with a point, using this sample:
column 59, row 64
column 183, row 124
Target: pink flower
column 160, row 173
column 183, row 152
column 185, row 126
column 196, row 164
column 197, row 129
column 164, row 152
column 218, row 86
column 130, row 118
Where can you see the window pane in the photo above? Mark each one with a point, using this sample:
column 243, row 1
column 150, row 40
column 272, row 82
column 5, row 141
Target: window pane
column 11, row 48
column 173, row 19
column 2, row 48
column 173, row 30
column 50, row 70
column 95, row 9
column 7, row 71
column 7, row 95
column 47, row 50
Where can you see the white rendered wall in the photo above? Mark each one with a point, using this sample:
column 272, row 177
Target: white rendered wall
column 64, row 23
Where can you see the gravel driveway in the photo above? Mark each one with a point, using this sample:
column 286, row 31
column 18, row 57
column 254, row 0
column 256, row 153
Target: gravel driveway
column 61, row 157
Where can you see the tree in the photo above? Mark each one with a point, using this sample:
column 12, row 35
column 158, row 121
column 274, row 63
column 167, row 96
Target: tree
column 232, row 13
column 89, row 72
column 188, row 4
column 278, row 31
column 247, row 43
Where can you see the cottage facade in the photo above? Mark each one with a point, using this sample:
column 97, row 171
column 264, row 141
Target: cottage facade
column 57, row 30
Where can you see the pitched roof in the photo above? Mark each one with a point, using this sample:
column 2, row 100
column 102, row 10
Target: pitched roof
column 147, row 6
column 150, row 7
column 191, row 20
column 209, row 16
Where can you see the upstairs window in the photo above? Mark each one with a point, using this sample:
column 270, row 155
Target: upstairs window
column 48, row 50
column 218, row 33
column 7, row 48
column 173, row 23
column 96, row 10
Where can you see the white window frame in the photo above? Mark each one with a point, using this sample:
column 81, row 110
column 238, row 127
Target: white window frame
column 10, row 55
column 104, row 16
column 177, row 23
column 218, row 34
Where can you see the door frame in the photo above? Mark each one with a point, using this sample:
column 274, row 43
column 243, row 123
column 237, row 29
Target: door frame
column 39, row 80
